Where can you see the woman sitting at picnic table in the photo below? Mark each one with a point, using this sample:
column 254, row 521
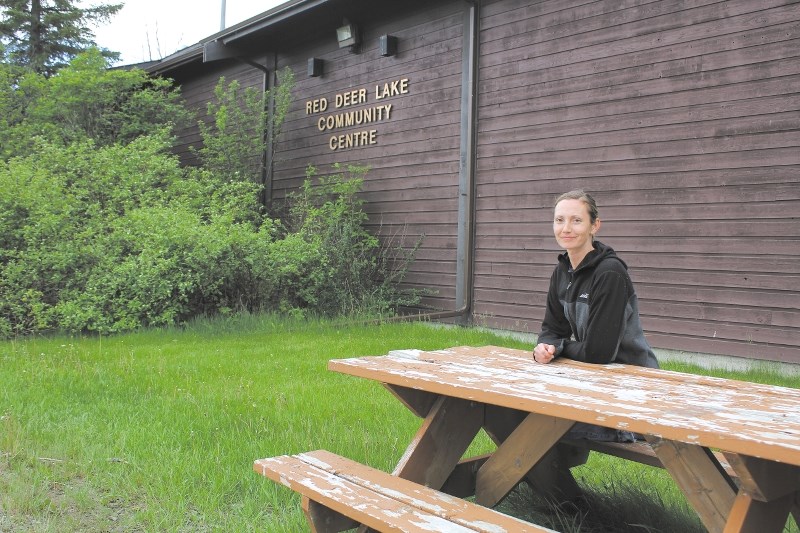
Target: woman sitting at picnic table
column 592, row 314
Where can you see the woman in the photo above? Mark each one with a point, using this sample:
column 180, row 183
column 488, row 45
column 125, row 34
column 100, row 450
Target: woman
column 592, row 313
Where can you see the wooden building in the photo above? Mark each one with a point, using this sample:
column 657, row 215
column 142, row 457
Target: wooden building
column 682, row 118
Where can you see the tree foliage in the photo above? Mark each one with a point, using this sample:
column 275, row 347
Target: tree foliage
column 83, row 101
column 113, row 238
column 44, row 35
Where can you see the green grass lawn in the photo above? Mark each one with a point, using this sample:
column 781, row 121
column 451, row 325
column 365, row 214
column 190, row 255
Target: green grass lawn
column 158, row 430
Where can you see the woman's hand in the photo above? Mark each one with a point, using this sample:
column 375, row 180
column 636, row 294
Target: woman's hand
column 544, row 353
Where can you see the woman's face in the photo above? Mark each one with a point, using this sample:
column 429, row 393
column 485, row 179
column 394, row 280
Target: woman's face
column 573, row 227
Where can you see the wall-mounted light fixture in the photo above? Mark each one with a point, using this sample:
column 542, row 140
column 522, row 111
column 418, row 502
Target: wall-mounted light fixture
column 347, row 35
column 387, row 45
column 315, row 65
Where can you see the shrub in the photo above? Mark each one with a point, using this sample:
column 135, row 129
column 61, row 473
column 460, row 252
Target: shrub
column 101, row 229
column 334, row 263
column 83, row 101
column 113, row 238
column 170, row 267
column 236, row 135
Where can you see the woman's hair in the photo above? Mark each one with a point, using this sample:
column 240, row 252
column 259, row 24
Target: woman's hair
column 583, row 196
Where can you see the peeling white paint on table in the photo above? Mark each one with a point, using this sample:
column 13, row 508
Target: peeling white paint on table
column 749, row 418
column 379, row 500
column 684, row 417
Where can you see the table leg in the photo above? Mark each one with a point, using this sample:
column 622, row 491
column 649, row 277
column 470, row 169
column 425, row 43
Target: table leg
column 446, row 433
column 533, row 438
column 551, row 476
column 764, row 480
column 749, row 515
column 417, row 401
column 461, row 482
column 700, row 477
column 767, row 495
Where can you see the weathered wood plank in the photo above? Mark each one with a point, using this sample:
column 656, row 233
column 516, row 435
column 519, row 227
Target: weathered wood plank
column 764, row 480
column 638, row 451
column 550, row 476
column 322, row 519
column 417, row 401
column 461, row 482
column 747, row 418
column 752, row 516
column 342, row 496
column 431, row 501
column 381, row 501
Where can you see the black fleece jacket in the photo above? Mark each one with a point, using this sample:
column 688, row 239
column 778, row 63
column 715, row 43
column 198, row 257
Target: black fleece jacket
column 592, row 313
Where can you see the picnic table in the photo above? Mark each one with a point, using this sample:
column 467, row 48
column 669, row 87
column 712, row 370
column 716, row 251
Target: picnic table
column 732, row 447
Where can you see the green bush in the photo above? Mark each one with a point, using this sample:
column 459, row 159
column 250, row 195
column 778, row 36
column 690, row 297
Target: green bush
column 115, row 238
column 238, row 134
column 233, row 139
column 112, row 238
column 329, row 263
column 83, row 101
column 101, row 229
column 180, row 270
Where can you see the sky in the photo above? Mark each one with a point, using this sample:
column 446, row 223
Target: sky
column 145, row 30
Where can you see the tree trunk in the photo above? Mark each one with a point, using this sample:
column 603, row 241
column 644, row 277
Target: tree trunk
column 36, row 51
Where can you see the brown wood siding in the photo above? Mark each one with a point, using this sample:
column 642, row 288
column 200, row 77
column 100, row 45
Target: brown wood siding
column 411, row 188
column 683, row 119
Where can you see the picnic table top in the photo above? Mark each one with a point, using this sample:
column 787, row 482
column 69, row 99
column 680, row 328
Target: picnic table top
column 748, row 418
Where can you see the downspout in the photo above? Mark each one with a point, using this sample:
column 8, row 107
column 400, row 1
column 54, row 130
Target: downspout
column 266, row 134
column 267, row 155
column 465, row 247
column 465, row 251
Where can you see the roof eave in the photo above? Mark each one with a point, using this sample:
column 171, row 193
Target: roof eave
column 230, row 35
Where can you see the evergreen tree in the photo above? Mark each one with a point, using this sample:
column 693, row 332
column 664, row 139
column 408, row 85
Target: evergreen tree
column 44, row 35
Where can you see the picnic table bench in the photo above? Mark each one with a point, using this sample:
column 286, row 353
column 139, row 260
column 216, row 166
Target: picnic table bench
column 339, row 494
column 732, row 447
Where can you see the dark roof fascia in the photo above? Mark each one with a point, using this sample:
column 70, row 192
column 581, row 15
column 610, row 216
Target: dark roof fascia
column 265, row 20
column 144, row 65
column 230, row 35
column 180, row 58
